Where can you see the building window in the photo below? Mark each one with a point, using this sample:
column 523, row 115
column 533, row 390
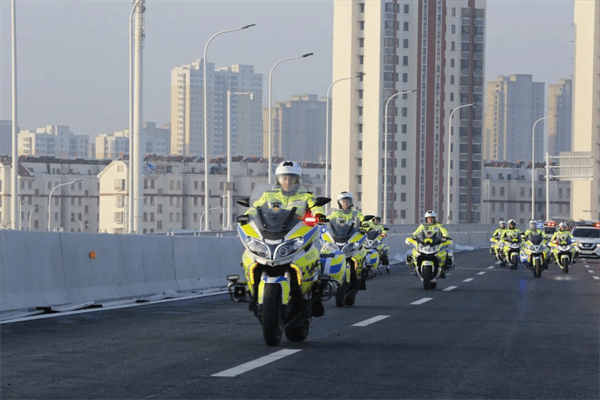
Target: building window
column 405, row 43
column 406, row 27
column 403, row 146
column 453, row 46
column 453, row 29
column 501, row 190
column 159, row 225
column 454, row 11
column 403, row 179
column 406, row 9
column 404, row 111
column 405, row 77
column 404, row 128
column 405, row 61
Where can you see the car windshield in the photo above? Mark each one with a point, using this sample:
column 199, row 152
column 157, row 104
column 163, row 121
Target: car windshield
column 591, row 233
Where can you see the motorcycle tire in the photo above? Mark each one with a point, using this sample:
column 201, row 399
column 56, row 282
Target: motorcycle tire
column 272, row 320
column 341, row 294
column 537, row 271
column 350, row 298
column 297, row 333
column 432, row 285
column 427, row 273
column 566, row 269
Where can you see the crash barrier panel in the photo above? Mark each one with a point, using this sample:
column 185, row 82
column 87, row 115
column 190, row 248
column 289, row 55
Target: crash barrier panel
column 41, row 269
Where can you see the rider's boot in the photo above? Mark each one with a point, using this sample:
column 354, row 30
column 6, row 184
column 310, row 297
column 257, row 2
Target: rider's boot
column 317, row 308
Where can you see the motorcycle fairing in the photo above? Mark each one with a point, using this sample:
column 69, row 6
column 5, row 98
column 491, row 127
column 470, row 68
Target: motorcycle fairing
column 283, row 281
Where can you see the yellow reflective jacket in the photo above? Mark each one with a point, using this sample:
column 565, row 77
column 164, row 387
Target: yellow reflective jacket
column 437, row 227
column 348, row 215
column 498, row 233
column 302, row 200
column 530, row 232
column 560, row 236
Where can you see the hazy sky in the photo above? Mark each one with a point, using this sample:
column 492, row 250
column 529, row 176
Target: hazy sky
column 73, row 54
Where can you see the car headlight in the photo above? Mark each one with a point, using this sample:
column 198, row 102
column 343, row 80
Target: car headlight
column 258, row 248
column 290, row 247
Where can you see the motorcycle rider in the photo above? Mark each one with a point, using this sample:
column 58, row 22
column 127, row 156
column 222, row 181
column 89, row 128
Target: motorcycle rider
column 496, row 237
column 560, row 235
column 345, row 202
column 512, row 228
column 431, row 225
column 288, row 175
column 533, row 229
column 376, row 225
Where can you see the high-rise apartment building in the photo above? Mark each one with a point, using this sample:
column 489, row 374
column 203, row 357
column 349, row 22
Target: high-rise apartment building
column 560, row 103
column 113, row 146
column 436, row 47
column 585, row 196
column 298, row 128
column 187, row 110
column 513, row 105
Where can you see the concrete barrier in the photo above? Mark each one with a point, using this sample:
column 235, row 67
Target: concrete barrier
column 41, row 269
column 31, row 266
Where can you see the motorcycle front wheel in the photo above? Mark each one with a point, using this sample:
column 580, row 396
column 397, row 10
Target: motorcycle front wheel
column 272, row 321
column 427, row 273
column 341, row 294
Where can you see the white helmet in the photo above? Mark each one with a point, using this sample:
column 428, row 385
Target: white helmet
column 377, row 216
column 562, row 225
column 430, row 213
column 345, row 195
column 289, row 168
column 532, row 225
column 502, row 224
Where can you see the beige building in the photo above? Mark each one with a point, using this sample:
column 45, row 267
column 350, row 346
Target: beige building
column 298, row 131
column 560, row 103
column 73, row 208
column 436, row 47
column 187, row 110
column 585, row 198
column 53, row 141
column 112, row 146
column 506, row 193
column 174, row 192
column 513, row 104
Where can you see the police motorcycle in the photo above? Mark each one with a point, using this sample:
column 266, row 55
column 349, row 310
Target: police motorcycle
column 281, row 264
column 510, row 248
column 377, row 252
column 343, row 258
column 534, row 254
column 564, row 257
column 428, row 257
column 496, row 249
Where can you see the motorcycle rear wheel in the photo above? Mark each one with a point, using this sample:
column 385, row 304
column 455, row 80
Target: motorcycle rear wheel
column 341, row 294
column 272, row 320
column 297, row 333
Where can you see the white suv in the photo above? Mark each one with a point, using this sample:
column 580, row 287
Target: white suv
column 588, row 236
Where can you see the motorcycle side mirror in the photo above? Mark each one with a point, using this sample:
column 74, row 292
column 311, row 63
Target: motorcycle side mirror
column 386, row 228
column 321, row 201
column 368, row 217
column 243, row 219
column 244, row 202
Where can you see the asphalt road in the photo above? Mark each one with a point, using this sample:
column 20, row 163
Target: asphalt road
column 503, row 334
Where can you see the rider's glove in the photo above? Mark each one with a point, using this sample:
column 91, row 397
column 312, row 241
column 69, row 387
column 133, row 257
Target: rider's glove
column 320, row 217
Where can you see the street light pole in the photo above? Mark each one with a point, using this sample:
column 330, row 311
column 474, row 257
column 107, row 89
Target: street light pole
column 30, row 212
column 449, row 146
column 50, row 198
column 229, row 183
column 205, row 90
column 328, row 133
column 385, row 153
column 130, row 169
column 16, row 224
column 270, row 116
column 533, row 164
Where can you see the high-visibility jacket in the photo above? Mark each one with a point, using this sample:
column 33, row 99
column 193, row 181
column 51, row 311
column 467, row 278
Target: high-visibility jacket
column 436, row 227
column 302, row 200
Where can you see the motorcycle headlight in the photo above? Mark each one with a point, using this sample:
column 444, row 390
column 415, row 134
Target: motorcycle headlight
column 515, row 245
column 563, row 248
column 428, row 249
column 258, row 248
column 330, row 246
column 290, row 247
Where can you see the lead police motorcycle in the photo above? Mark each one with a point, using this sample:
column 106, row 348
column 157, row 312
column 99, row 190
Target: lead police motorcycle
column 281, row 266
column 534, row 254
column 342, row 240
column 428, row 257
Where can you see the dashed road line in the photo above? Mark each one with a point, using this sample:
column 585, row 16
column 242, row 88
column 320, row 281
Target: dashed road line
column 468, row 279
column 481, row 273
column 596, row 277
column 491, row 267
column 423, row 300
column 259, row 362
column 590, row 271
column 449, row 288
column 587, row 266
column 371, row 320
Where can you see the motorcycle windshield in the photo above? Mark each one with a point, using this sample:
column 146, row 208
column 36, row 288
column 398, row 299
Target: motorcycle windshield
column 536, row 239
column 275, row 223
column 341, row 230
column 372, row 235
column 434, row 236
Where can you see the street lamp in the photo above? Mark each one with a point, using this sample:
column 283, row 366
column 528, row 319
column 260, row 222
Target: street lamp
column 16, row 224
column 229, row 183
column 30, row 212
column 270, row 116
column 205, row 90
column 327, row 133
column 449, row 146
column 205, row 213
column 50, row 198
column 130, row 170
column 385, row 155
column 533, row 164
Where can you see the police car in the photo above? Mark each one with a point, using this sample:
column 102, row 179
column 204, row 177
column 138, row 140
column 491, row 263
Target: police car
column 588, row 236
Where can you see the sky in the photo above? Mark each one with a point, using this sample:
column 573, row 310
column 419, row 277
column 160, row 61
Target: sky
column 72, row 55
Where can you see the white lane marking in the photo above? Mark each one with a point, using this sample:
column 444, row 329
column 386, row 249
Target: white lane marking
column 481, row 273
column 596, row 277
column 449, row 288
column 259, row 362
column 491, row 267
column 423, row 300
column 371, row 320
column 590, row 271
column 468, row 279
column 587, row 266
